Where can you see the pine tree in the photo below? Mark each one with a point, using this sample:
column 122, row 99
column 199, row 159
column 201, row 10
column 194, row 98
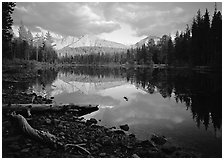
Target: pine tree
column 206, row 38
column 23, row 34
column 216, row 36
column 30, row 38
column 170, row 50
column 48, row 39
column 150, row 44
column 144, row 55
column 194, row 30
column 24, row 38
column 7, row 34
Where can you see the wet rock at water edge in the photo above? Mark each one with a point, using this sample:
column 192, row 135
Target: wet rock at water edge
column 159, row 140
column 126, row 98
column 131, row 135
column 91, row 121
column 124, row 127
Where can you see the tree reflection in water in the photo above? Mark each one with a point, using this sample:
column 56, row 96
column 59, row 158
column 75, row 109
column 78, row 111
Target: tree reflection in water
column 201, row 92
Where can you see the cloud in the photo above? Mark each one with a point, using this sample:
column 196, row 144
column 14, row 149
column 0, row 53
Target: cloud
column 144, row 18
column 63, row 18
column 148, row 18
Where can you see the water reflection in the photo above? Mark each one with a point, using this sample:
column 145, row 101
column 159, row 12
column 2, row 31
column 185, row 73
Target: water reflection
column 200, row 93
column 42, row 85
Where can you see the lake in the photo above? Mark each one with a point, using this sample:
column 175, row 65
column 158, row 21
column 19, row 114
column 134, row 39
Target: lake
column 183, row 105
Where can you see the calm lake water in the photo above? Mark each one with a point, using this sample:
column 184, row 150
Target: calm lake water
column 185, row 106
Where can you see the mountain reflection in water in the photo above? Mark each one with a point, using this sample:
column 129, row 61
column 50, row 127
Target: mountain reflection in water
column 157, row 100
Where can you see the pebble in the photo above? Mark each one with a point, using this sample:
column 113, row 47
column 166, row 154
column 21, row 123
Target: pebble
column 60, row 126
column 25, row 150
column 62, row 133
column 135, row 156
column 102, row 154
column 28, row 144
column 48, row 121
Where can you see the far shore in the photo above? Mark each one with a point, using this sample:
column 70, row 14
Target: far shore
column 43, row 65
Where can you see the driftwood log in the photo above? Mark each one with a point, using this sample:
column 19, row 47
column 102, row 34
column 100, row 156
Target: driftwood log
column 23, row 127
column 42, row 136
column 28, row 109
column 17, row 112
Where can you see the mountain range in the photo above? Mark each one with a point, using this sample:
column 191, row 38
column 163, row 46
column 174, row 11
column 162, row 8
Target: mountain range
column 91, row 44
column 87, row 44
column 86, row 41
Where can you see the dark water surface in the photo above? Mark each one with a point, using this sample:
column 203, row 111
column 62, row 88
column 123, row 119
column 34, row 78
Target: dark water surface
column 185, row 106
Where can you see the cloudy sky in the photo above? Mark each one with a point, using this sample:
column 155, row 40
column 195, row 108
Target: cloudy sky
column 126, row 22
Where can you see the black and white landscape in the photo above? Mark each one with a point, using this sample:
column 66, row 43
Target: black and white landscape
column 111, row 79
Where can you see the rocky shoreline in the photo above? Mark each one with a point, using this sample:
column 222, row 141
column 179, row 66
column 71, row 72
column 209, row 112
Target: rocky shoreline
column 71, row 129
column 99, row 141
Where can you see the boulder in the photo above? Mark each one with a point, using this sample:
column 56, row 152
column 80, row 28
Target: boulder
column 91, row 121
column 124, row 127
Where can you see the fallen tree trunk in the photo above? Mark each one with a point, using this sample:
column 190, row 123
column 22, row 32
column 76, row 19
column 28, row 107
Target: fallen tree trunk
column 23, row 126
column 41, row 136
column 28, row 109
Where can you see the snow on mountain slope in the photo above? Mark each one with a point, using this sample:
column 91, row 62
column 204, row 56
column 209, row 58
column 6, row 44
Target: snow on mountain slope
column 90, row 41
column 87, row 44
